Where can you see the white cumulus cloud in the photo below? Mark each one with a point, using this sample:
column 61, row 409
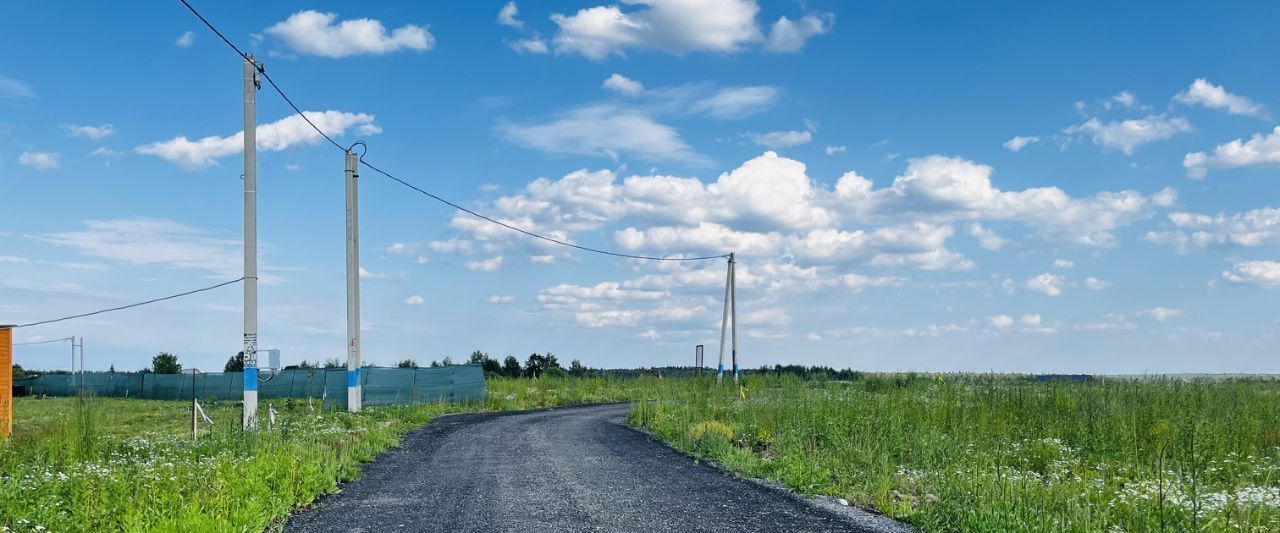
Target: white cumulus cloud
column 1161, row 314
column 507, row 16
column 1127, row 135
column 1203, row 93
column 311, row 32
column 273, row 137
column 92, row 132
column 623, row 84
column 1018, row 143
column 40, row 161
column 791, row 35
column 1049, row 284
column 1265, row 274
column 1259, row 150
column 414, row 300
column 487, row 265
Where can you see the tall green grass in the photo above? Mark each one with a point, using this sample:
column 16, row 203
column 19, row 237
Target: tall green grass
column 978, row 453
column 111, row 464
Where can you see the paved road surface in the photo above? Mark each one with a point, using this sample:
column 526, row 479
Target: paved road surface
column 560, row 470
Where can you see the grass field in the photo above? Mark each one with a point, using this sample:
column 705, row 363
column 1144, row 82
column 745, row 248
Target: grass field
column 952, row 453
column 973, row 453
column 108, row 464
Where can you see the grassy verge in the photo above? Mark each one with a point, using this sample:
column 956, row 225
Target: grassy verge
column 972, row 453
column 108, row 464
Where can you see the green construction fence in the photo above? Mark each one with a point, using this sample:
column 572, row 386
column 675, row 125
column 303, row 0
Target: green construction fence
column 381, row 386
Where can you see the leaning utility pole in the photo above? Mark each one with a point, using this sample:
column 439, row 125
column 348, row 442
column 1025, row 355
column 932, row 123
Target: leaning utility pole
column 352, row 179
column 250, row 245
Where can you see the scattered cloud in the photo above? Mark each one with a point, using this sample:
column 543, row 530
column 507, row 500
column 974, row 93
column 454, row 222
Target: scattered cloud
column 414, row 300
column 1063, row 263
column 1125, row 99
column 1265, row 274
column 1127, row 135
column 674, row 27
column 1203, row 93
column 791, row 35
column 106, row 153
column 833, row 150
column 988, row 239
column 40, row 161
column 91, row 132
column 1259, row 150
column 153, row 241
column 1161, row 314
column 496, row 299
column 949, row 188
column 532, row 45
column 1259, row 227
column 311, row 32
column 1048, row 284
column 365, row 274
column 780, row 139
column 1095, row 284
column 603, row 130
column 185, row 40
column 1018, row 143
column 12, row 89
column 487, row 265
column 738, row 102
column 507, row 16
column 273, row 137
column 623, row 85
column 1001, row 321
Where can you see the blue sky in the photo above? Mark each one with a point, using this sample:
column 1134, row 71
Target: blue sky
column 909, row 186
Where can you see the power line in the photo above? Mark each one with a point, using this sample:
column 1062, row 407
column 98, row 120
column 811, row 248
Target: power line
column 42, row 342
column 139, row 304
column 298, row 110
column 263, row 71
column 530, row 233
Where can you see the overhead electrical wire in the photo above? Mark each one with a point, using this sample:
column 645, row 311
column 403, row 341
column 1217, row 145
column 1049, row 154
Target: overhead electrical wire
column 130, row 306
column 42, row 342
column 435, row 197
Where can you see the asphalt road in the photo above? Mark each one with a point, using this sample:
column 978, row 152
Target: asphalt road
column 560, row 470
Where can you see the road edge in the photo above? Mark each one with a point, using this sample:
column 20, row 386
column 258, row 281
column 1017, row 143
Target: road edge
column 862, row 517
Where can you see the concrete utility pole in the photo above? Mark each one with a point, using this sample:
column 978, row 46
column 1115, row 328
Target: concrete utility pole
column 697, row 358
column 73, row 361
column 352, row 179
column 724, row 322
column 250, row 244
column 733, row 306
column 6, row 380
column 82, row 363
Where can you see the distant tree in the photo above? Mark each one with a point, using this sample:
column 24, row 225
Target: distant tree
column 407, row 363
column 447, row 361
column 112, row 369
column 334, row 362
column 477, row 358
column 491, row 366
column 165, row 363
column 551, row 361
column 511, row 367
column 576, row 368
column 306, row 365
column 536, row 365
column 235, row 363
column 435, row 364
column 18, row 372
